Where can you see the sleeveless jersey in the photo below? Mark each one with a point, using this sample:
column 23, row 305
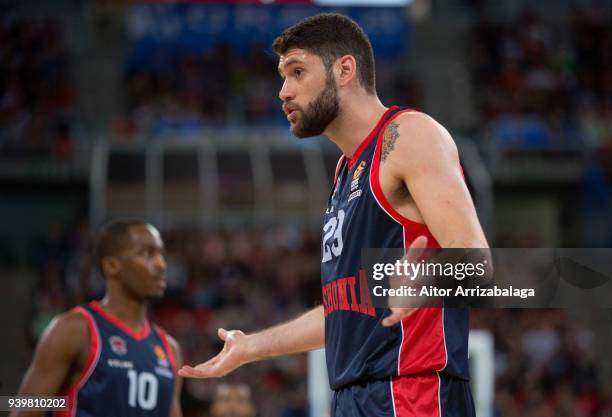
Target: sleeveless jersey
column 358, row 347
column 126, row 374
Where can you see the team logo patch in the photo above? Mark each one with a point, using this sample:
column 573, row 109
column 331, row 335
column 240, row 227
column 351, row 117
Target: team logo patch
column 118, row 345
column 162, row 359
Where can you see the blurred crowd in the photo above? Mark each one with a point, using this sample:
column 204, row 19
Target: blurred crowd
column 536, row 82
column 545, row 362
column 183, row 93
column 190, row 92
column 37, row 95
column 542, row 83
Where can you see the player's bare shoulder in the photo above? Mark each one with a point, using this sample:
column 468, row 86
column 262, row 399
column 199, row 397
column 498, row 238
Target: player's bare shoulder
column 60, row 355
column 69, row 333
column 414, row 140
column 71, row 323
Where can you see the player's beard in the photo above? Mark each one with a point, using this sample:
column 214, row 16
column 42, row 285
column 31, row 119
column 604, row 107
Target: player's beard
column 320, row 112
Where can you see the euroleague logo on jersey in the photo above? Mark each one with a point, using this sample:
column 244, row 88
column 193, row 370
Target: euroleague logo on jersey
column 359, row 170
column 355, row 191
column 162, row 360
column 118, row 345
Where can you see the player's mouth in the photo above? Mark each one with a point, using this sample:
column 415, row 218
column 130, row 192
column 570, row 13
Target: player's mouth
column 161, row 281
column 290, row 111
column 292, row 115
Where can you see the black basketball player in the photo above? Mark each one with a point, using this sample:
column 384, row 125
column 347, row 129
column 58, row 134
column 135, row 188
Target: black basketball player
column 106, row 356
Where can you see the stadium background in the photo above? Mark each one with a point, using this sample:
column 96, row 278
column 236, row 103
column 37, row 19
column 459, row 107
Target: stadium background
column 170, row 112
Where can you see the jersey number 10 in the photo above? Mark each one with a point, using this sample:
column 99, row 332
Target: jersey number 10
column 143, row 390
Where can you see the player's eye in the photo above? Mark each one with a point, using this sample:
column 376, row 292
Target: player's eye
column 298, row 72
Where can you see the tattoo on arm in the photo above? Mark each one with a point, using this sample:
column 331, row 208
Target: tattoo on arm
column 389, row 138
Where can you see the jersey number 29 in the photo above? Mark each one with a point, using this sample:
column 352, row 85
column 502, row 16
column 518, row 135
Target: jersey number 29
column 332, row 240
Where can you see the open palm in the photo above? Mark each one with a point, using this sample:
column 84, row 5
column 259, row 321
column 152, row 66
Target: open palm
column 232, row 356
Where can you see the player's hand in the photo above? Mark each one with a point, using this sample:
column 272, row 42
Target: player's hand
column 412, row 255
column 233, row 355
column 397, row 315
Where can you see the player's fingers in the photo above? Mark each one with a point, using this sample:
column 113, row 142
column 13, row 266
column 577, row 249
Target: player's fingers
column 208, row 369
column 419, row 243
column 416, row 248
column 391, row 320
column 191, row 372
column 186, row 371
column 228, row 336
column 222, row 333
column 396, row 316
column 203, row 370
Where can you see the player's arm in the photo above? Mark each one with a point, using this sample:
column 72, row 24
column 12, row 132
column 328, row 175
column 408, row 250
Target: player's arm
column 305, row 333
column 57, row 351
column 175, row 408
column 423, row 156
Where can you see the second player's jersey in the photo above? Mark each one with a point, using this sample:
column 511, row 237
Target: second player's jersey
column 127, row 373
column 358, row 347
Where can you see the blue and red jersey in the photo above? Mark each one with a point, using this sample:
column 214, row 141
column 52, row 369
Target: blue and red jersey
column 358, row 347
column 127, row 373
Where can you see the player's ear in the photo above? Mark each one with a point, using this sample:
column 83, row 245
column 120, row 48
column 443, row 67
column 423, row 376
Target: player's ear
column 110, row 265
column 346, row 69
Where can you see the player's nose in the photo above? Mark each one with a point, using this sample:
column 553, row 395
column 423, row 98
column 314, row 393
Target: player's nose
column 286, row 93
column 160, row 263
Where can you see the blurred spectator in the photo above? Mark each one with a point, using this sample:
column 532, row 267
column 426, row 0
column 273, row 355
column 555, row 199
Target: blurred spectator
column 37, row 96
column 232, row 400
column 550, row 80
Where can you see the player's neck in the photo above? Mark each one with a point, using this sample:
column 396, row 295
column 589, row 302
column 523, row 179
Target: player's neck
column 356, row 120
column 132, row 313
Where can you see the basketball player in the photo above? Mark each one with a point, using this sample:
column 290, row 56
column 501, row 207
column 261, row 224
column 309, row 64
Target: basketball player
column 106, row 356
column 398, row 184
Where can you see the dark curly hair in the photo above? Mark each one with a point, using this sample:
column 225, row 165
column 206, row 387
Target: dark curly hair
column 330, row 36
